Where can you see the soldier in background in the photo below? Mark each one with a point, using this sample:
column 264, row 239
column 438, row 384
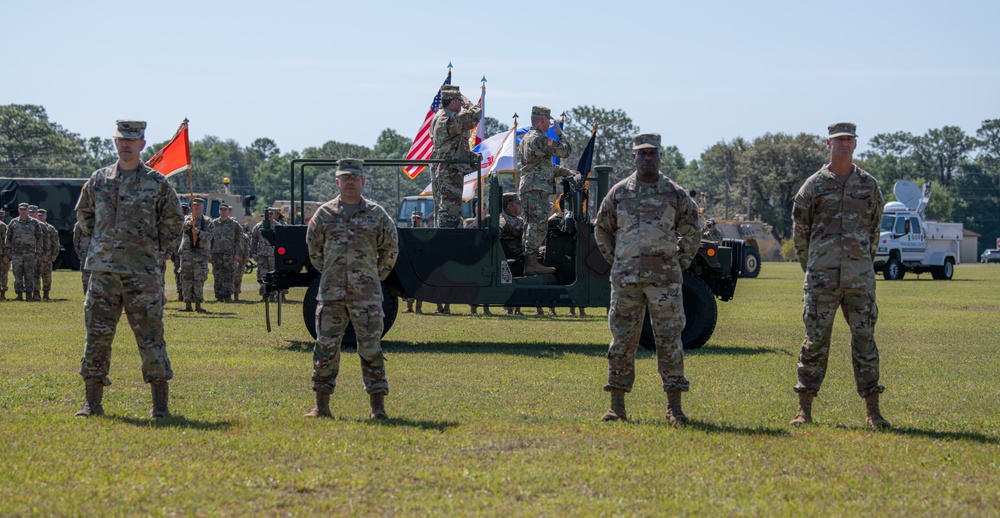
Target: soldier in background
column 196, row 241
column 81, row 243
column 261, row 249
column 538, row 183
column 174, row 256
column 416, row 221
column 354, row 243
column 4, row 256
column 450, row 135
column 242, row 254
column 712, row 232
column 836, row 218
column 512, row 238
column 647, row 229
column 25, row 239
column 131, row 214
column 227, row 236
column 50, row 251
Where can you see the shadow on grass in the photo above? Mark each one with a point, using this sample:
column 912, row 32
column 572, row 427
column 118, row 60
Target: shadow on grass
column 937, row 434
column 528, row 349
column 176, row 421
column 736, row 351
column 738, row 430
column 439, row 426
column 207, row 314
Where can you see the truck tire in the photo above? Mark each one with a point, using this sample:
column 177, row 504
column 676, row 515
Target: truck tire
column 751, row 263
column 893, row 270
column 701, row 312
column 945, row 271
column 390, row 307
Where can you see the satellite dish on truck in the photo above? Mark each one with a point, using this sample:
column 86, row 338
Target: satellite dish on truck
column 912, row 196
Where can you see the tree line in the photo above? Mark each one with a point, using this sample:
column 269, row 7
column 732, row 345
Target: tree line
column 755, row 178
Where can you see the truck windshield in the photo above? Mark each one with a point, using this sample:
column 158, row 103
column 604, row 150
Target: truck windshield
column 887, row 222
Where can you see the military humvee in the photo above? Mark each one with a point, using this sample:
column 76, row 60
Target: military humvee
column 468, row 266
column 58, row 196
column 761, row 242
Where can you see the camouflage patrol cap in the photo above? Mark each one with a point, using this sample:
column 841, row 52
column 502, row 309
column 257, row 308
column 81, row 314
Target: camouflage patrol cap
column 22, row 205
column 130, row 129
column 509, row 197
column 646, row 141
column 541, row 111
column 843, row 129
column 32, row 208
column 198, row 201
column 350, row 166
column 449, row 92
column 42, row 212
column 226, row 206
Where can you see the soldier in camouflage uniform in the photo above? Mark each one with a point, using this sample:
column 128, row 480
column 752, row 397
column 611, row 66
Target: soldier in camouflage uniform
column 416, row 221
column 261, row 249
column 174, row 256
column 227, row 239
column 241, row 263
column 4, row 256
column 511, row 238
column 81, row 244
column 131, row 214
column 25, row 240
column 648, row 230
column 49, row 254
column 450, row 135
column 353, row 242
column 538, row 183
column 712, row 232
column 196, row 241
column 836, row 218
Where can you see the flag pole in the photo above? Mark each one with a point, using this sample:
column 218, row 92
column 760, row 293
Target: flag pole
column 194, row 229
column 517, row 168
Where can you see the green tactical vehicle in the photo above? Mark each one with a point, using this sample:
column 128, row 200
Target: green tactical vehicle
column 468, row 266
column 58, row 196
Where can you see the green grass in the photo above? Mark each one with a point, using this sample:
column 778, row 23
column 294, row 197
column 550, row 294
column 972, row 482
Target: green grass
column 499, row 415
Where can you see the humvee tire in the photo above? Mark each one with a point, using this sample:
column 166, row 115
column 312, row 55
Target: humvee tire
column 751, row 263
column 390, row 307
column 700, row 313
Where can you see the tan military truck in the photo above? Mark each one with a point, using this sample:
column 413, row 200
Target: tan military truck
column 761, row 242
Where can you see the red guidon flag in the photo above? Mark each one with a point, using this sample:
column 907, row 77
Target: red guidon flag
column 175, row 157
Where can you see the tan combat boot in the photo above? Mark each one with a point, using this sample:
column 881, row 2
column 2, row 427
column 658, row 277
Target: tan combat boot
column 198, row 308
column 532, row 266
column 674, row 413
column 409, row 306
column 804, row 415
column 236, row 297
column 3, row 295
column 95, row 394
column 19, row 296
column 472, row 309
column 45, row 295
column 187, row 306
column 322, row 408
column 875, row 419
column 161, row 397
column 486, row 310
column 617, row 411
column 378, row 406
column 36, row 296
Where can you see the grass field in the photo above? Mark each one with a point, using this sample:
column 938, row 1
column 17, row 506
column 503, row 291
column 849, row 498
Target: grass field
column 498, row 415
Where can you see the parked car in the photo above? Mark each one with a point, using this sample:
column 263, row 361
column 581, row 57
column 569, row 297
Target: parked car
column 991, row 255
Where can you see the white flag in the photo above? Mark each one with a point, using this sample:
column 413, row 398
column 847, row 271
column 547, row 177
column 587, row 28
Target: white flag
column 498, row 156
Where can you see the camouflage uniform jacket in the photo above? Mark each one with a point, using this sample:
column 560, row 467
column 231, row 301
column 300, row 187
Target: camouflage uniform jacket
column 25, row 237
column 80, row 243
column 649, row 234
column 511, row 235
column 51, row 242
column 3, row 239
column 227, row 237
column 836, row 229
column 537, row 170
column 354, row 254
column 259, row 245
column 450, row 135
column 204, row 246
column 129, row 219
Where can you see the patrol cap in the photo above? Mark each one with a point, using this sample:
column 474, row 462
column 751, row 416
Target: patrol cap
column 509, row 197
column 417, row 214
column 130, row 129
column 541, row 111
column 646, row 141
column 198, row 201
column 449, row 92
column 22, row 205
column 42, row 212
column 226, row 206
column 350, row 166
column 32, row 208
column 843, row 129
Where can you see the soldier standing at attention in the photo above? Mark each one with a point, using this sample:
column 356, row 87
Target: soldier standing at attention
column 49, row 254
column 25, row 240
column 174, row 255
column 4, row 256
column 261, row 249
column 450, row 135
column 647, row 229
column 242, row 253
column 196, row 242
column 227, row 238
column 131, row 214
column 81, row 244
column 416, row 221
column 353, row 242
column 538, row 183
column 836, row 218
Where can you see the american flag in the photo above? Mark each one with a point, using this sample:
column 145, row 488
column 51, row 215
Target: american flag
column 422, row 145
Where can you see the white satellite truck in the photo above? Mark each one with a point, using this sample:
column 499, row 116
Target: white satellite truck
column 908, row 243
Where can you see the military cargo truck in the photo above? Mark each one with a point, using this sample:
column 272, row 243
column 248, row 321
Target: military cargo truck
column 761, row 242
column 468, row 266
column 58, row 196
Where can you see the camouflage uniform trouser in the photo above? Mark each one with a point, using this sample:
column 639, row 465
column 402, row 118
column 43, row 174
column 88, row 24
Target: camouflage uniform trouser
column 4, row 268
column 194, row 273
column 85, row 276
column 223, row 272
column 265, row 263
column 24, row 271
column 332, row 318
column 666, row 312
column 537, row 206
column 140, row 297
column 241, row 267
column 447, row 187
column 176, row 259
column 43, row 279
column 819, row 312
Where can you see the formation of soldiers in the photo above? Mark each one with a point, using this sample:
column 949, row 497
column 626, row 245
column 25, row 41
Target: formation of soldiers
column 29, row 246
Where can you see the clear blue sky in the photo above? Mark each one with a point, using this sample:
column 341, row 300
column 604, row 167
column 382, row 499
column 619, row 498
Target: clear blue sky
column 303, row 73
